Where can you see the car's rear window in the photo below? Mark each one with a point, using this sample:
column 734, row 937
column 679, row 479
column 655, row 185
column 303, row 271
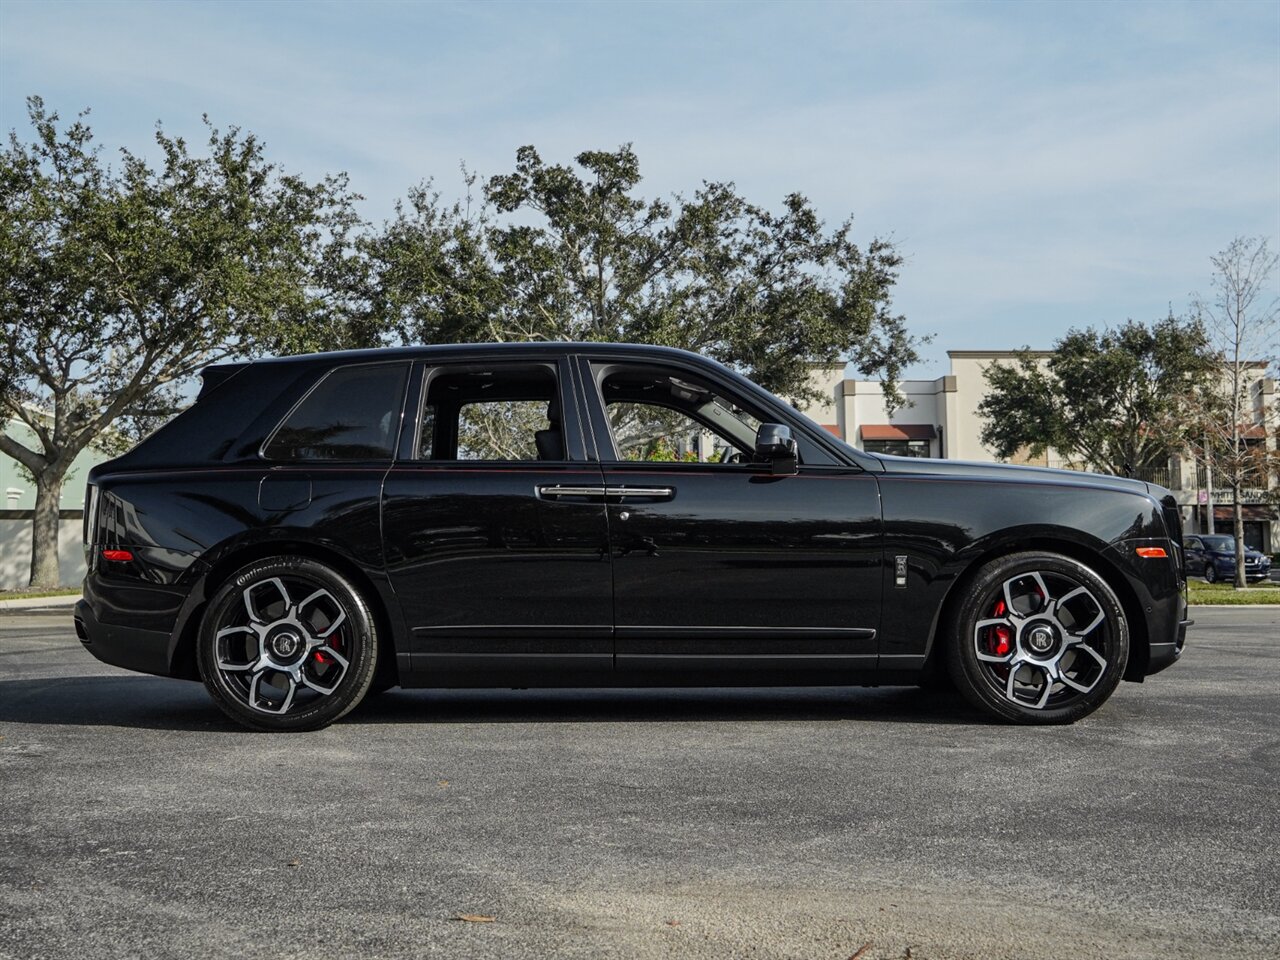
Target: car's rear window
column 352, row 414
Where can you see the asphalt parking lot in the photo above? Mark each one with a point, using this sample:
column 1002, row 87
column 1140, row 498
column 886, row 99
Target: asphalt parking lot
column 135, row 821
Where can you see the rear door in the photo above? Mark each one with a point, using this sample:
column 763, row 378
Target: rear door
column 495, row 530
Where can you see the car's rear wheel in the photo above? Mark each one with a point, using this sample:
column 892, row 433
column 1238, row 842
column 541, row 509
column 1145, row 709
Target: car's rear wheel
column 287, row 643
column 1040, row 638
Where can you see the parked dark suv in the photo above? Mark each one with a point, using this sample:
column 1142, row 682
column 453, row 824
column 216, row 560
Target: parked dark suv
column 1213, row 556
column 317, row 527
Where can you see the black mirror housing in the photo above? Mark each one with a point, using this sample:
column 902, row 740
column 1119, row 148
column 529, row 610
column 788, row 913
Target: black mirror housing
column 776, row 447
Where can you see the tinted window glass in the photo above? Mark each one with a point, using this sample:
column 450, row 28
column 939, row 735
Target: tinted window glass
column 501, row 429
column 351, row 415
column 506, row 412
column 648, row 432
column 662, row 415
column 1219, row 542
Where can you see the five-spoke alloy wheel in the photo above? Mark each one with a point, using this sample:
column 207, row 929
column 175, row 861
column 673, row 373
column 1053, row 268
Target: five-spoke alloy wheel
column 287, row 644
column 1040, row 639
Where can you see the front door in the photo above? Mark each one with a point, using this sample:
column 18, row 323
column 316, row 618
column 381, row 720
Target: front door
column 495, row 532
column 724, row 573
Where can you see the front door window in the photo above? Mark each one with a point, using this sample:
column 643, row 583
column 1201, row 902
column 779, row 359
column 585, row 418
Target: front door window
column 659, row 416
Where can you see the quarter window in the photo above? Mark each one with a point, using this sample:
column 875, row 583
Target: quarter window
column 352, row 414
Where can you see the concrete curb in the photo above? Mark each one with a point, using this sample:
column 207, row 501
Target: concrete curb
column 36, row 603
column 33, row 603
column 1234, row 606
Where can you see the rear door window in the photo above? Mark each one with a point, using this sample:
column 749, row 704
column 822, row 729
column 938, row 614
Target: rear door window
column 504, row 412
column 352, row 414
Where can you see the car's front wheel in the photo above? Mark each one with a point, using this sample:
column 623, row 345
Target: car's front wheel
column 287, row 643
column 1040, row 638
column 1210, row 572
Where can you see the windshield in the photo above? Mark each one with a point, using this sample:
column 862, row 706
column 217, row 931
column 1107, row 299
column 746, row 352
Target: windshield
column 1220, row 543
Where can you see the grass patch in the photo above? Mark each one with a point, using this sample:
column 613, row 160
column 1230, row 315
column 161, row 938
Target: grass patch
column 37, row 594
column 1201, row 592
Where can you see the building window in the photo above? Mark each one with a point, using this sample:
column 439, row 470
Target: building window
column 898, row 448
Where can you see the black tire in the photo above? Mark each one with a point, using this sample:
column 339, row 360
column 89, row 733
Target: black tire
column 1065, row 630
column 295, row 612
column 1210, row 573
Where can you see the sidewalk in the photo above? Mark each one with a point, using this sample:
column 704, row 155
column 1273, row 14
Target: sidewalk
column 40, row 603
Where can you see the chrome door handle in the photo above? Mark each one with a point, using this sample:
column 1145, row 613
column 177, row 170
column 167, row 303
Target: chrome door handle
column 652, row 493
column 556, row 490
column 553, row 491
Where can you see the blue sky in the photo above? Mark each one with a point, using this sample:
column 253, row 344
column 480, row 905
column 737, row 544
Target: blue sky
column 1041, row 166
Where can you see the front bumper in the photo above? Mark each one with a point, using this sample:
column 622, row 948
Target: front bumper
column 1254, row 573
column 1160, row 595
column 1164, row 655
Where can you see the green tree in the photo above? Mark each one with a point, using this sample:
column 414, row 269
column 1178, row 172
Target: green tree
column 116, row 284
column 428, row 276
column 554, row 252
column 1243, row 319
column 1120, row 401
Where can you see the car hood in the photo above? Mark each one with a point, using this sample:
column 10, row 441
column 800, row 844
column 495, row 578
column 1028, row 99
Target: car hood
column 1249, row 553
column 1007, row 471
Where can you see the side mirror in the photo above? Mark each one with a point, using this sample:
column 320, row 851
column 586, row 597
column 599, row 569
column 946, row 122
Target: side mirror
column 776, row 447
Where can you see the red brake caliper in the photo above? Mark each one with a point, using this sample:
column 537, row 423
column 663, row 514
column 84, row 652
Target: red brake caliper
column 321, row 658
column 999, row 637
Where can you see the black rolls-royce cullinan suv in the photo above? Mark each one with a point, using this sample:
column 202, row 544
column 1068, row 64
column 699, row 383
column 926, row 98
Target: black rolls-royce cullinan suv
column 317, row 527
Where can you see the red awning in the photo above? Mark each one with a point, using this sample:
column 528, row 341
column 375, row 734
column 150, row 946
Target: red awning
column 1248, row 511
column 898, row 431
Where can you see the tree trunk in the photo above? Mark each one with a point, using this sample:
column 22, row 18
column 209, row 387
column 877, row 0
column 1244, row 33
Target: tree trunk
column 44, row 529
column 1238, row 516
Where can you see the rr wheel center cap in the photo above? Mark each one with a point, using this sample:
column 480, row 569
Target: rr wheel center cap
column 285, row 645
column 1040, row 639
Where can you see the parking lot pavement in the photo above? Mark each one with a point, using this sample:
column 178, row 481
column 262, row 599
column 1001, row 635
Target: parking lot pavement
column 135, row 821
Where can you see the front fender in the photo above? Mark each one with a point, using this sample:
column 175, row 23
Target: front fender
column 947, row 526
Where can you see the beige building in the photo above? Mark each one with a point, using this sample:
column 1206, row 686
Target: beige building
column 17, row 506
column 940, row 419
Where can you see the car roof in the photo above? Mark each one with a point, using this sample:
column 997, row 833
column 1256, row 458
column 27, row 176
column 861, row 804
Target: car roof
column 214, row 374
column 539, row 348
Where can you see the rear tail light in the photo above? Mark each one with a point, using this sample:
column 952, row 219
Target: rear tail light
column 90, row 513
column 118, row 556
column 1153, row 553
